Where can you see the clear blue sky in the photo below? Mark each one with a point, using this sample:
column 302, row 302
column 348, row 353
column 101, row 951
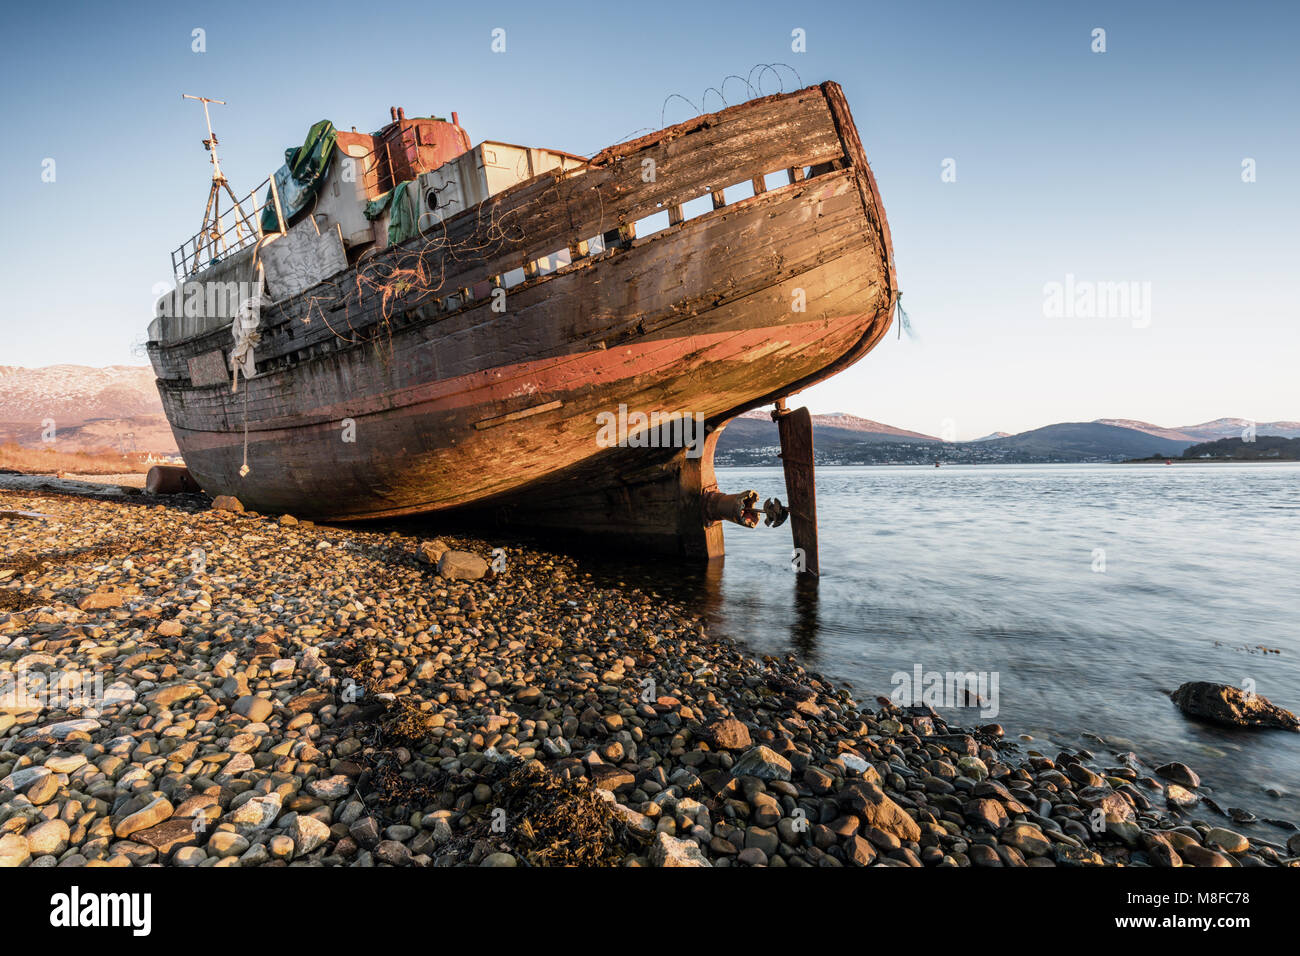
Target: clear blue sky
column 1114, row 167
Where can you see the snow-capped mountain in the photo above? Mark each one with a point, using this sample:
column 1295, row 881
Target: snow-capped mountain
column 1208, row 431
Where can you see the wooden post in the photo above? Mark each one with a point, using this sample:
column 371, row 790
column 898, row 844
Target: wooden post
column 796, row 431
column 279, row 211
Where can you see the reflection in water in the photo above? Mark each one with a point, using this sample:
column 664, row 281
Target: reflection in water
column 803, row 624
column 710, row 591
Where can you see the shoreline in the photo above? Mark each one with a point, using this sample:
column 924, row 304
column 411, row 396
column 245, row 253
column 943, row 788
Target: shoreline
column 321, row 696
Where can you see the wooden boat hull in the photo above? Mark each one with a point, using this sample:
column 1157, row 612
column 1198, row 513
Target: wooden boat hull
column 373, row 400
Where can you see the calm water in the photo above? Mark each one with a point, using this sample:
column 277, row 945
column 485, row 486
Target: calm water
column 991, row 569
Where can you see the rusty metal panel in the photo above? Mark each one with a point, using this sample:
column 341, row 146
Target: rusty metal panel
column 409, row 147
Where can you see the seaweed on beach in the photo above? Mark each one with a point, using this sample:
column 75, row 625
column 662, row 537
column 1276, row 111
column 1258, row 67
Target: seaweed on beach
column 14, row 600
column 548, row 821
column 386, row 728
column 404, row 723
column 21, row 564
column 394, row 797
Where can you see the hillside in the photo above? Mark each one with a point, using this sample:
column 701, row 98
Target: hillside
column 837, row 432
column 1085, row 441
column 1232, row 428
column 1263, row 448
column 1208, row 431
column 1173, row 434
column 843, row 422
column 748, row 441
column 116, row 407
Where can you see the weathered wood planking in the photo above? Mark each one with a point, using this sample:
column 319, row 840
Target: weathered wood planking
column 589, row 316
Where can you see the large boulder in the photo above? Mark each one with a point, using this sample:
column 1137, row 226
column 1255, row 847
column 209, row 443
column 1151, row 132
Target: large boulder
column 141, row 813
column 461, row 566
column 729, row 734
column 255, row 708
column 101, row 600
column 308, row 833
column 1027, row 838
column 1231, row 706
column 671, row 851
column 1179, row 773
column 13, row 850
column 869, row 803
column 763, row 763
column 431, row 552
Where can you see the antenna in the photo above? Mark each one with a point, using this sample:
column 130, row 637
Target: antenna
column 210, row 144
column 210, row 233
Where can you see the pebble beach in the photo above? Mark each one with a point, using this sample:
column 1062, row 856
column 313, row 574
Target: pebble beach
column 189, row 685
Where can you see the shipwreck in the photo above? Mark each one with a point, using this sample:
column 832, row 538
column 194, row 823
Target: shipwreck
column 401, row 323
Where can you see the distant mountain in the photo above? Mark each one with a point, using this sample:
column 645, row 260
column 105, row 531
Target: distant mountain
column 1232, row 428
column 842, row 421
column 113, row 407
column 1173, row 434
column 846, row 440
column 753, row 438
column 1085, row 441
column 1208, row 431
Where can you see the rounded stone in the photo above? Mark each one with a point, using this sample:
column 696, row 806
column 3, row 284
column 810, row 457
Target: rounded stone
column 255, row 708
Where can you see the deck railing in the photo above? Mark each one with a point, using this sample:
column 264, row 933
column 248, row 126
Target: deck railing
column 235, row 229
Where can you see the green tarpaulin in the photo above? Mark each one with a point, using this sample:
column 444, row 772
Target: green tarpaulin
column 402, row 223
column 375, row 208
column 298, row 180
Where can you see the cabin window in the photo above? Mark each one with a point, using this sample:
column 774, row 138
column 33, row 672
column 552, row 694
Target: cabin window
column 621, row 236
column 776, row 180
column 741, row 190
column 697, row 206
column 513, row 278
column 554, row 262
column 652, row 223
